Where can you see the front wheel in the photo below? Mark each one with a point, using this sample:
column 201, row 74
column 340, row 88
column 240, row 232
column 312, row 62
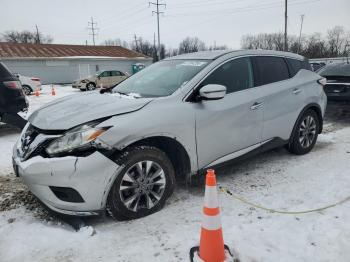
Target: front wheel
column 305, row 133
column 90, row 86
column 146, row 180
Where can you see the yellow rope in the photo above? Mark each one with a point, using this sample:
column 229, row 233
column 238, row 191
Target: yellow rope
column 237, row 197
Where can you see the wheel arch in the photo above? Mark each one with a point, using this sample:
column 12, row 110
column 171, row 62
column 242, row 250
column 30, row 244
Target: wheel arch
column 315, row 107
column 174, row 150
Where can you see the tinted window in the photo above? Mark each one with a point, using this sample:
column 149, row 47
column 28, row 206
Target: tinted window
column 294, row 66
column 4, row 72
column 270, row 69
column 236, row 75
column 341, row 69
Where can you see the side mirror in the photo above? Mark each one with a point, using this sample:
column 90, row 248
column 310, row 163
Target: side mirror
column 212, row 92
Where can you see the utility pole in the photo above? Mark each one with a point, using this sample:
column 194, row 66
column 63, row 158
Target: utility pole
column 136, row 45
column 37, row 35
column 157, row 4
column 285, row 25
column 301, row 29
column 91, row 26
column 154, row 48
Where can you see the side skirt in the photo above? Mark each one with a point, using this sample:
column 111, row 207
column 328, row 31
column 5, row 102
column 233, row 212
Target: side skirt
column 265, row 146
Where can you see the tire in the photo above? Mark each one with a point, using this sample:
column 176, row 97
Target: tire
column 27, row 90
column 90, row 86
column 305, row 133
column 147, row 178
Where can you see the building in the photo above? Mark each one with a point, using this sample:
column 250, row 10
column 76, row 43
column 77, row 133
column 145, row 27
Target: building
column 62, row 64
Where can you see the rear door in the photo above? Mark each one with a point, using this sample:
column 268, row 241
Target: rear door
column 116, row 77
column 282, row 96
column 231, row 126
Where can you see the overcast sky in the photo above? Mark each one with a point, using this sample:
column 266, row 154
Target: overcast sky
column 223, row 21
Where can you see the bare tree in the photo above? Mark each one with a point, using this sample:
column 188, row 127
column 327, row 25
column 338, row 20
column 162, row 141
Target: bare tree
column 336, row 43
column 26, row 37
column 116, row 42
column 336, row 40
column 190, row 45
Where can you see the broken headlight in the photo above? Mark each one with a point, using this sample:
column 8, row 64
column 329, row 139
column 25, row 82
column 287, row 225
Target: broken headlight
column 79, row 138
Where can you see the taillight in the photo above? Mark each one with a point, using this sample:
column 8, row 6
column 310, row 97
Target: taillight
column 13, row 85
column 322, row 81
column 35, row 79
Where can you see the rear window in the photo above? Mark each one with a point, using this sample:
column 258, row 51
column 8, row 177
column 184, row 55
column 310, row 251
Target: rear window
column 340, row 69
column 270, row 69
column 4, row 72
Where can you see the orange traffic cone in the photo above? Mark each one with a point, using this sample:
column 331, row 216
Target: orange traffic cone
column 53, row 92
column 212, row 247
column 37, row 92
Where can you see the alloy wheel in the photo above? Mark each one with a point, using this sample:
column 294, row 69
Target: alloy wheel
column 142, row 186
column 307, row 131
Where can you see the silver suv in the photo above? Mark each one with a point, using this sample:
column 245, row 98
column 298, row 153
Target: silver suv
column 126, row 147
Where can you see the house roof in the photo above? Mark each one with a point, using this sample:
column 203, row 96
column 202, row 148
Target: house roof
column 20, row 50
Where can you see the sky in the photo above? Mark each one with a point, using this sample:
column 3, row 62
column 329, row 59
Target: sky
column 220, row 22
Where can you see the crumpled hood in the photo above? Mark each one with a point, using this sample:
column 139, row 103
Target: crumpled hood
column 70, row 111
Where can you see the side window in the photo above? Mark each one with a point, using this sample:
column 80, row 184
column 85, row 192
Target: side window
column 294, row 66
column 270, row 69
column 105, row 74
column 236, row 75
column 115, row 73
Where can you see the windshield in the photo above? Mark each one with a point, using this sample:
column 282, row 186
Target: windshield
column 335, row 70
column 161, row 79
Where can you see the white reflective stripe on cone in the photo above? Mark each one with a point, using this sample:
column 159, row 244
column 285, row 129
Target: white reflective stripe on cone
column 211, row 222
column 211, row 197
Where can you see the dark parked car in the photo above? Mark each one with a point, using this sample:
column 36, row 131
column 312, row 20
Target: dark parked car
column 338, row 81
column 12, row 99
column 316, row 66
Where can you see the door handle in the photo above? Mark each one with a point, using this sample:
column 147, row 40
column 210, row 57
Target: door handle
column 296, row 91
column 256, row 106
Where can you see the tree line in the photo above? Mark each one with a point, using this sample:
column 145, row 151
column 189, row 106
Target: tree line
column 335, row 43
column 26, row 37
column 187, row 45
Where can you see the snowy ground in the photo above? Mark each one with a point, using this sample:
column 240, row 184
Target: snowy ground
column 275, row 179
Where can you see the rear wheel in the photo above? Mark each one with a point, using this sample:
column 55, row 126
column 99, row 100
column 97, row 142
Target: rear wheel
column 305, row 134
column 27, row 90
column 146, row 180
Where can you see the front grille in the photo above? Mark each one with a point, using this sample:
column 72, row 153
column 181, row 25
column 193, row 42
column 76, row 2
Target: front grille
column 336, row 88
column 34, row 141
column 27, row 138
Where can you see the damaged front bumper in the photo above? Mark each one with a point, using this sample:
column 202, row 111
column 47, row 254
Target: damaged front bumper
column 69, row 185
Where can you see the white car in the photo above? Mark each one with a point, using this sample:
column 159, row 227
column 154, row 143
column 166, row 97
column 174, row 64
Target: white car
column 29, row 84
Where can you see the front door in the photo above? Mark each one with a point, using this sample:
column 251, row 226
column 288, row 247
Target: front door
column 103, row 80
column 231, row 126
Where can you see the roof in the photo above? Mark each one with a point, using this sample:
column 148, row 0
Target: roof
column 20, row 50
column 218, row 53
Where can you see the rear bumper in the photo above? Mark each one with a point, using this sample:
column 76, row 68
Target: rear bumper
column 91, row 177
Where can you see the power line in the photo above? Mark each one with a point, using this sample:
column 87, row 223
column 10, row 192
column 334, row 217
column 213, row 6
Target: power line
column 157, row 4
column 91, row 26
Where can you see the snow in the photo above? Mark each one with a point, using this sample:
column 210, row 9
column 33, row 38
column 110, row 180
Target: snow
column 275, row 179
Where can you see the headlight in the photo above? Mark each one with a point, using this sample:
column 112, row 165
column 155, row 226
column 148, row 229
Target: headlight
column 80, row 138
